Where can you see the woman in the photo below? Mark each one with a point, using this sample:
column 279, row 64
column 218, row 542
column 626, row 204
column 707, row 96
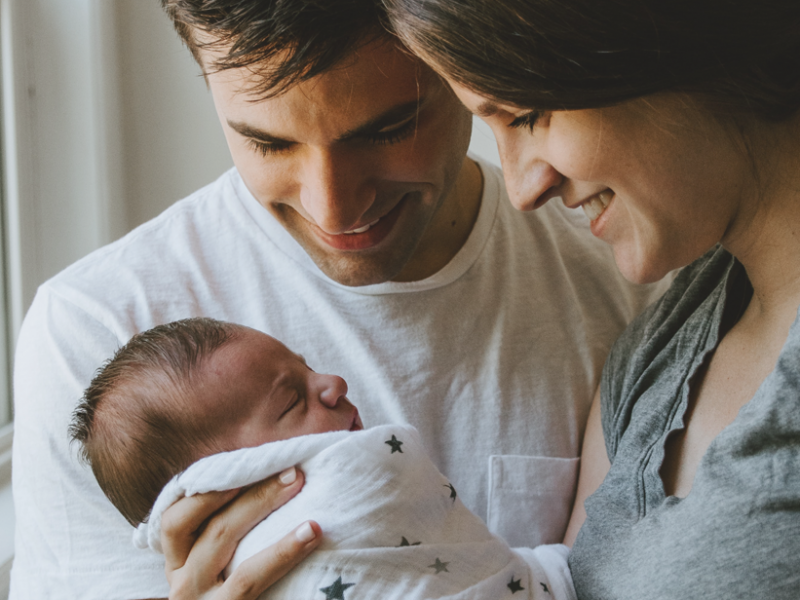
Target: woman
column 675, row 126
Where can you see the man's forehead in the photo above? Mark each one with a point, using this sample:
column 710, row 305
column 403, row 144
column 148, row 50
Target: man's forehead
column 376, row 55
column 377, row 80
column 382, row 62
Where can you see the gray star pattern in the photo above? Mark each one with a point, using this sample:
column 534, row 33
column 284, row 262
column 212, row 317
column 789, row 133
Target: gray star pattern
column 439, row 566
column 515, row 585
column 395, row 444
column 452, row 491
column 336, row 590
column 405, row 542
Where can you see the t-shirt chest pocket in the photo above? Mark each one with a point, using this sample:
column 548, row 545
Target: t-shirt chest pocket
column 530, row 498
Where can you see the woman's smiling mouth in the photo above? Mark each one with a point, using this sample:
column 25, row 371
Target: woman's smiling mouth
column 594, row 206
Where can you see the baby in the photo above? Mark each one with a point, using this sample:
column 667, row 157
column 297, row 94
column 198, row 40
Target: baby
column 200, row 405
column 192, row 388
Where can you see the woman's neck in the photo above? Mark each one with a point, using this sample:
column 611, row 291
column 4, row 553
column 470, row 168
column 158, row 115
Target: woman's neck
column 766, row 235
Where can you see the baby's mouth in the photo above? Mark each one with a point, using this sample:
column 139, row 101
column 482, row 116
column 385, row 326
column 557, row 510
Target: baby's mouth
column 356, row 424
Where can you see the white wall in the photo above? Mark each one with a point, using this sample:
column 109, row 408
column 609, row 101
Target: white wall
column 483, row 143
column 171, row 140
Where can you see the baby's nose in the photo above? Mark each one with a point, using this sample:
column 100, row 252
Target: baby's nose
column 335, row 389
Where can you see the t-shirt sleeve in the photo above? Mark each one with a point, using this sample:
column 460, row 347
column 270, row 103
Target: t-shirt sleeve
column 70, row 540
column 637, row 357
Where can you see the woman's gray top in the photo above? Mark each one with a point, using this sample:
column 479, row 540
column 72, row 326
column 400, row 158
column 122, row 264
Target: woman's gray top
column 737, row 533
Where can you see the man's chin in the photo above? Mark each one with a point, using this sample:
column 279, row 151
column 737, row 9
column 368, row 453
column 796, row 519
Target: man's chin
column 357, row 271
column 384, row 261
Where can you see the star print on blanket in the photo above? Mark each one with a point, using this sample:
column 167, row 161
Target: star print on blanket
column 453, row 494
column 335, row 591
column 395, row 444
column 367, row 496
column 439, row 566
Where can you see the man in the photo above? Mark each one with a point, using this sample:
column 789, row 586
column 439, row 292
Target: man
column 353, row 212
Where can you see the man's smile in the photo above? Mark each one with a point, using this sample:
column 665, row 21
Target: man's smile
column 363, row 237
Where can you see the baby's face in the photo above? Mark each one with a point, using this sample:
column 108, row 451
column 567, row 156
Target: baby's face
column 257, row 391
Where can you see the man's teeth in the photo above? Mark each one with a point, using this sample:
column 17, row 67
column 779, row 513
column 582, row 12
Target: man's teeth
column 361, row 229
column 595, row 207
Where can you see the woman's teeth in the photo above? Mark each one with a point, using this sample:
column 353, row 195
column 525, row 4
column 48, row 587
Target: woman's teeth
column 361, row 229
column 596, row 205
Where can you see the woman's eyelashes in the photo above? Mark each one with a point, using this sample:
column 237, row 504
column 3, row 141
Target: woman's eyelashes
column 384, row 137
column 527, row 120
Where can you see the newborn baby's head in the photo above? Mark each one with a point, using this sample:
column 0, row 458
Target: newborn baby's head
column 191, row 388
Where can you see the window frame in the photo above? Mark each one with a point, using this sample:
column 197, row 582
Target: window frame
column 57, row 62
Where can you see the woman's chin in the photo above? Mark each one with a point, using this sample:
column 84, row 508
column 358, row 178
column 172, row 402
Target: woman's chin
column 636, row 267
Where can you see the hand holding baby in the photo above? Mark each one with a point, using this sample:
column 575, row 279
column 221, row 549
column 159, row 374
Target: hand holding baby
column 200, row 534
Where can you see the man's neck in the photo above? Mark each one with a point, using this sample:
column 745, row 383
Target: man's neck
column 450, row 227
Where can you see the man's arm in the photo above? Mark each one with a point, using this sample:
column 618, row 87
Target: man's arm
column 594, row 467
column 71, row 541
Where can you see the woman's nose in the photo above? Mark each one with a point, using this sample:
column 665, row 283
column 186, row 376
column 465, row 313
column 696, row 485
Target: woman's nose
column 530, row 179
column 532, row 184
column 333, row 389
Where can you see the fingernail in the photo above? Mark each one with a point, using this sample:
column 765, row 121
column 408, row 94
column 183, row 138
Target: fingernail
column 288, row 476
column 305, row 533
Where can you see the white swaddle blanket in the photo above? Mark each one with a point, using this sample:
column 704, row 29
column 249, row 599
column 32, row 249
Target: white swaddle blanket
column 393, row 525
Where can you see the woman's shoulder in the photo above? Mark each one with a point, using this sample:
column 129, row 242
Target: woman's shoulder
column 664, row 337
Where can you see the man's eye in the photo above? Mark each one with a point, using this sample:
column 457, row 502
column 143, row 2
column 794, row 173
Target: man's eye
column 527, row 120
column 267, row 148
column 396, row 134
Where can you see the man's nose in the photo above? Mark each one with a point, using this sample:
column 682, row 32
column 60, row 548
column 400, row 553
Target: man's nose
column 333, row 389
column 336, row 191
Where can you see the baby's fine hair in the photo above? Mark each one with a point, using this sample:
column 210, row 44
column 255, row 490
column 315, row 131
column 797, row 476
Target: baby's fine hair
column 134, row 422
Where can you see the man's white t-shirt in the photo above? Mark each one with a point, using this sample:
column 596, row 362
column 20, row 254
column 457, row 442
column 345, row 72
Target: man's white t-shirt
column 494, row 359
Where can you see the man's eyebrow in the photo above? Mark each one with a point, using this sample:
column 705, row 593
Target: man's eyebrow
column 255, row 133
column 486, row 109
column 396, row 114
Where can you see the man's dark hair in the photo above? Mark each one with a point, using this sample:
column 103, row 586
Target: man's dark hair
column 741, row 56
column 134, row 424
column 284, row 42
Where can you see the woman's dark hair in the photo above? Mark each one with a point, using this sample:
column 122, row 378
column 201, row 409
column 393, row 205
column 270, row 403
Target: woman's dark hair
column 283, row 41
column 743, row 56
